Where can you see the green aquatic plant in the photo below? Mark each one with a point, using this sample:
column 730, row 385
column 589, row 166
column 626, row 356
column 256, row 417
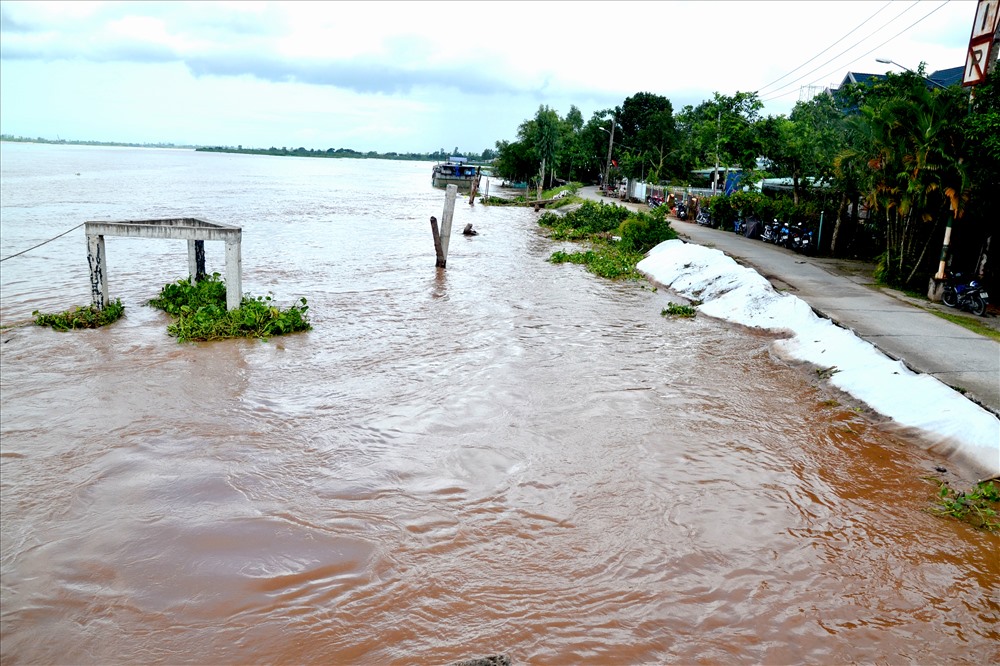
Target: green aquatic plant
column 979, row 506
column 84, row 316
column 210, row 290
column 201, row 314
column 677, row 310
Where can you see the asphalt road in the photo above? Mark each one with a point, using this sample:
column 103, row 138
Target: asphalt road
column 902, row 327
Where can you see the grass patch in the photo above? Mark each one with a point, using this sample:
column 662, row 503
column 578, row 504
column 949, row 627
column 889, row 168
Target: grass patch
column 84, row 316
column 973, row 324
column 618, row 237
column 675, row 310
column 201, row 314
column 531, row 195
column 606, row 261
column 978, row 506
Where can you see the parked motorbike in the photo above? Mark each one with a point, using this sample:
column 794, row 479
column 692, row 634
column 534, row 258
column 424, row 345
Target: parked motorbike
column 801, row 239
column 704, row 218
column 784, row 234
column 770, row 233
column 682, row 211
column 654, row 202
column 967, row 294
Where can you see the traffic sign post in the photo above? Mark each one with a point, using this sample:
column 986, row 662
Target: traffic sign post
column 984, row 28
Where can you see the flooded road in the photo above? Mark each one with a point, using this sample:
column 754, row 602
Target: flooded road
column 506, row 456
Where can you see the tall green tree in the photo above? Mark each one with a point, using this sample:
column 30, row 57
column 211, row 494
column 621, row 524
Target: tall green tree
column 804, row 145
column 515, row 161
column 918, row 173
column 648, row 133
column 544, row 137
column 721, row 131
column 572, row 154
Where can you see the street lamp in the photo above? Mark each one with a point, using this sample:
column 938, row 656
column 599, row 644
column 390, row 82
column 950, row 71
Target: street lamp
column 886, row 61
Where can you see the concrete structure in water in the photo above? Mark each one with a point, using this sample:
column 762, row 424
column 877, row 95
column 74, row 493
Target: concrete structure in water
column 194, row 231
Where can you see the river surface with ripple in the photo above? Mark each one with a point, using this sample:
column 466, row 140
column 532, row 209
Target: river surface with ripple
column 504, row 456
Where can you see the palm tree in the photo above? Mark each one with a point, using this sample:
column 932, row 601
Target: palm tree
column 918, row 178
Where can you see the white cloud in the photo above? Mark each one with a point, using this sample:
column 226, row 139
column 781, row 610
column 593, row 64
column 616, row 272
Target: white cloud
column 491, row 59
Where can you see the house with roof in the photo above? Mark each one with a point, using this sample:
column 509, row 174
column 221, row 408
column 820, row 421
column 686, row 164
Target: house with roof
column 943, row 78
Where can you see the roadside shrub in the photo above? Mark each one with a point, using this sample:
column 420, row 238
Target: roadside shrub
column 724, row 211
column 592, row 217
column 642, row 232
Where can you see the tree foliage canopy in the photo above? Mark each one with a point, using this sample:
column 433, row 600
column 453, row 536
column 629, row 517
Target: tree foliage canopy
column 891, row 161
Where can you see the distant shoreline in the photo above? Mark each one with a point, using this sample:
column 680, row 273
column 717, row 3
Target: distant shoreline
column 71, row 142
column 272, row 151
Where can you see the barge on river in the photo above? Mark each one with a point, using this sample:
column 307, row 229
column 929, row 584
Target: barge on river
column 456, row 171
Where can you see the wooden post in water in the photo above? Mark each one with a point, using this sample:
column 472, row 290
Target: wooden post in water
column 437, row 242
column 474, row 187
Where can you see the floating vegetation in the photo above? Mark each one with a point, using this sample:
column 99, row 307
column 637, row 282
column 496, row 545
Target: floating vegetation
column 201, row 314
column 677, row 310
column 84, row 316
column 978, row 506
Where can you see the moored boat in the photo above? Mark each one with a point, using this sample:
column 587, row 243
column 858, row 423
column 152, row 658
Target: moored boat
column 456, row 171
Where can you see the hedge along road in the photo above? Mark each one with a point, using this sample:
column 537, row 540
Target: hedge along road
column 903, row 328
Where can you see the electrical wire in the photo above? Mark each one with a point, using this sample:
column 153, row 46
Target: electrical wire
column 869, row 52
column 840, row 67
column 863, row 23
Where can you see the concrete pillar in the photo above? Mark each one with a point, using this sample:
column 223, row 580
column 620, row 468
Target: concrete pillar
column 98, row 271
column 449, row 212
column 234, row 273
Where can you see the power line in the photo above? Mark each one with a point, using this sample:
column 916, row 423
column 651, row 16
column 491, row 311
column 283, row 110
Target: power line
column 869, row 52
column 758, row 91
column 860, row 42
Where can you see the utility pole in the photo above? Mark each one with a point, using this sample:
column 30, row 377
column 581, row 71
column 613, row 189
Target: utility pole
column 611, row 142
column 718, row 135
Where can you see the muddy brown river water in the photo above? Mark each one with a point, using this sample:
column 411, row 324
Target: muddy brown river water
column 507, row 456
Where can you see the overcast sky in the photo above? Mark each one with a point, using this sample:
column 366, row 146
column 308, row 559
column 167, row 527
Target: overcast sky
column 421, row 76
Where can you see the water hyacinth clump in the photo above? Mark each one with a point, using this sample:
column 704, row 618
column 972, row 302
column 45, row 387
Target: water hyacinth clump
column 201, row 314
column 84, row 316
